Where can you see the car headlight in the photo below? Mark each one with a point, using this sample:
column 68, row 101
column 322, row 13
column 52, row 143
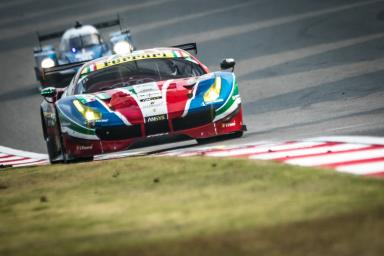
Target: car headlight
column 122, row 47
column 213, row 93
column 88, row 113
column 47, row 63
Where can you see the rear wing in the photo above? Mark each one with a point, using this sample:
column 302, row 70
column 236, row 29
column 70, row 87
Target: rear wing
column 61, row 68
column 60, row 76
column 187, row 47
column 58, row 34
column 107, row 24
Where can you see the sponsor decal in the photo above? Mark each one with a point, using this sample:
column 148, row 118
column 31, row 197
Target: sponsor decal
column 139, row 55
column 83, row 147
column 157, row 135
column 155, row 118
column 102, row 121
column 151, row 99
column 227, row 125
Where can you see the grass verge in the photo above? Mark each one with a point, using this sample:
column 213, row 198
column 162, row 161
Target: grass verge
column 188, row 206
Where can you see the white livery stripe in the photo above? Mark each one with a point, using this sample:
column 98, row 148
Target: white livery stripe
column 15, row 152
column 150, row 100
column 164, row 90
column 308, row 151
column 333, row 158
column 362, row 169
column 187, row 105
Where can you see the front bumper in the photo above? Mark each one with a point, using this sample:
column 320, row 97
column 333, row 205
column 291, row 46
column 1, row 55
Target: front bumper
column 116, row 138
column 143, row 130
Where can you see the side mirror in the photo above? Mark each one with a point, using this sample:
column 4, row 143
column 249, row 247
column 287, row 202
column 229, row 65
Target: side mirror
column 48, row 92
column 228, row 63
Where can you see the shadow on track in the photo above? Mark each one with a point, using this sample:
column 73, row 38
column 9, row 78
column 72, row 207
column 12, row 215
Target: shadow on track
column 19, row 93
column 352, row 87
column 377, row 111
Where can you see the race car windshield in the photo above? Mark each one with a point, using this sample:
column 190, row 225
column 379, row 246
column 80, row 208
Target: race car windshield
column 83, row 41
column 138, row 72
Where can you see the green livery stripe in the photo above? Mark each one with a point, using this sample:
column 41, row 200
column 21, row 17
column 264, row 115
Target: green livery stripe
column 81, row 99
column 80, row 129
column 230, row 101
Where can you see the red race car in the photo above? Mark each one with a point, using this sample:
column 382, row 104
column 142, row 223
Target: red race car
column 115, row 101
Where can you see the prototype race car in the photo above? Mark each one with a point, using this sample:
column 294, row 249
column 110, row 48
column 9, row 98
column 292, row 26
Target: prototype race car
column 78, row 44
column 115, row 101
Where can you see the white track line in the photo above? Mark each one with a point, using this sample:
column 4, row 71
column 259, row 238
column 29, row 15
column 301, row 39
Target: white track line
column 36, row 162
column 308, row 151
column 11, row 151
column 22, row 161
column 265, row 148
column 333, row 158
column 215, row 150
column 350, row 139
column 117, row 155
column 362, row 169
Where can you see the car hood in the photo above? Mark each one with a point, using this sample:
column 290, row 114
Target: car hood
column 138, row 102
column 146, row 102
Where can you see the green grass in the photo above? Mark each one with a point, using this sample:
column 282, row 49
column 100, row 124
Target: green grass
column 188, row 206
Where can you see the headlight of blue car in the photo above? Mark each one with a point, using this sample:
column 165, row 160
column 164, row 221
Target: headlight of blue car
column 47, row 63
column 122, row 47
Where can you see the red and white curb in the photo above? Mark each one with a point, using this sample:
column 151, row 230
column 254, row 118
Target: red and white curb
column 10, row 157
column 354, row 155
column 348, row 154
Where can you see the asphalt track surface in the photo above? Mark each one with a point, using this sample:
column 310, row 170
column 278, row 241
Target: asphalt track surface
column 306, row 68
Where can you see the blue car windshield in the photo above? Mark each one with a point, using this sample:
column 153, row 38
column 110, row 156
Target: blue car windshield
column 138, row 72
column 83, row 41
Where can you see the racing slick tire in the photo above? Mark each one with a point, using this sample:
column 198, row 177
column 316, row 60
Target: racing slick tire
column 51, row 142
column 55, row 146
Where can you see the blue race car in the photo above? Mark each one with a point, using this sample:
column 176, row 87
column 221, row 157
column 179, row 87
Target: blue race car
column 77, row 45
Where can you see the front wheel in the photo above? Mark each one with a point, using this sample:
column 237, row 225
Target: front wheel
column 53, row 142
